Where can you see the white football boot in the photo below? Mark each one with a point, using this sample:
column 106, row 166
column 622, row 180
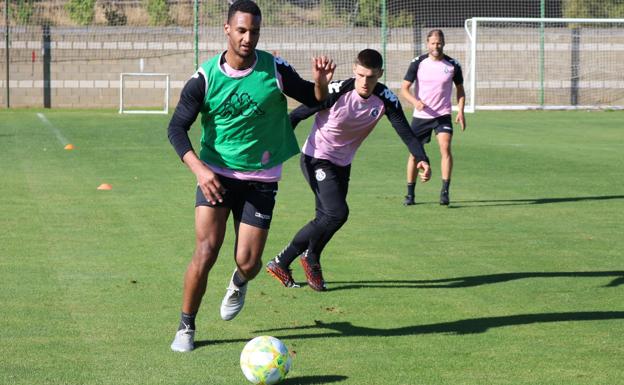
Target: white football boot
column 184, row 340
column 233, row 301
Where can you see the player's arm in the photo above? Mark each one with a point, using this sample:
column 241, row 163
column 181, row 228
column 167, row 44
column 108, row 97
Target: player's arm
column 411, row 78
column 189, row 106
column 303, row 112
column 461, row 101
column 395, row 115
column 303, row 91
column 458, row 80
column 186, row 112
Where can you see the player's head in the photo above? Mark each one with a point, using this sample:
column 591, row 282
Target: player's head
column 243, row 27
column 367, row 69
column 435, row 43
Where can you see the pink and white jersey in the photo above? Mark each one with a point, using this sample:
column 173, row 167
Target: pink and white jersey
column 345, row 119
column 433, row 84
column 339, row 131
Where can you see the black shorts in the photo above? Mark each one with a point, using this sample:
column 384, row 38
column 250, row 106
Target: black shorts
column 329, row 182
column 251, row 202
column 422, row 128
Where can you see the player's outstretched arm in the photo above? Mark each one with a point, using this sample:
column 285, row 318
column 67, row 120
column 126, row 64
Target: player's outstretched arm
column 322, row 73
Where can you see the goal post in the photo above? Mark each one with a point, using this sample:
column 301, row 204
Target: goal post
column 141, row 93
column 545, row 63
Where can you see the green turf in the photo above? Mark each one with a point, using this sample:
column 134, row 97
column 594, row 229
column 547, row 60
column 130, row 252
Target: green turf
column 519, row 281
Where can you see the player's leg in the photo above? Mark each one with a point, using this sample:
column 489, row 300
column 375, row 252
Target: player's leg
column 332, row 211
column 279, row 267
column 331, row 184
column 444, row 134
column 210, row 224
column 422, row 128
column 446, row 166
column 252, row 219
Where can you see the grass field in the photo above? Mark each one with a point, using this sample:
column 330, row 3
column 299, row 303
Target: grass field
column 519, row 281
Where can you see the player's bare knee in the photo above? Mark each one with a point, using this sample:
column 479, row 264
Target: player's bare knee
column 205, row 254
column 250, row 268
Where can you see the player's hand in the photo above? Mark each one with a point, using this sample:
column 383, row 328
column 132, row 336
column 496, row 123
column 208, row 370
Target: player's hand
column 322, row 70
column 425, row 170
column 210, row 185
column 420, row 105
column 461, row 120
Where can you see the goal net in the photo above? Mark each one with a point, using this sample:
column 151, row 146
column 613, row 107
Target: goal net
column 549, row 63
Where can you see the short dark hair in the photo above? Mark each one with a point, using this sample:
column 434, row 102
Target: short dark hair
column 436, row 32
column 370, row 59
column 245, row 6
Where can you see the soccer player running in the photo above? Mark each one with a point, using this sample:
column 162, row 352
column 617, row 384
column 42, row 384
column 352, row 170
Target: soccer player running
column 433, row 75
column 246, row 135
column 341, row 124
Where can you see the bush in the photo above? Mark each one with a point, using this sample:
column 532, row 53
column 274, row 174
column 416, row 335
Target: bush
column 158, row 11
column 114, row 15
column 22, row 11
column 81, row 12
column 593, row 8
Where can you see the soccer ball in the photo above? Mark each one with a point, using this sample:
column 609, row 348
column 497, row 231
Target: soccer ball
column 265, row 360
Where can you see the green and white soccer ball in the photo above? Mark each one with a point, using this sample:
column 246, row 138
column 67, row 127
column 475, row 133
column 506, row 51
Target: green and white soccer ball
column 265, row 360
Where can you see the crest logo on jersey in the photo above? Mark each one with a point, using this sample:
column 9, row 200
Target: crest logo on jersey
column 320, row 174
column 239, row 105
column 375, row 112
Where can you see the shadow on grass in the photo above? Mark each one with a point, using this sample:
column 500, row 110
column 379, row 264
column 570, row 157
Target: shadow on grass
column 475, row 280
column 461, row 327
column 321, row 329
column 304, row 380
column 528, row 201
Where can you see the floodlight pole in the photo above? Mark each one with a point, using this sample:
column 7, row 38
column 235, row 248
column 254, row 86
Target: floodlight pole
column 6, row 49
column 47, row 59
column 384, row 32
column 541, row 53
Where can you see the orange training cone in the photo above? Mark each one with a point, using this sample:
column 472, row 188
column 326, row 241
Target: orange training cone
column 105, row 186
column 69, row 146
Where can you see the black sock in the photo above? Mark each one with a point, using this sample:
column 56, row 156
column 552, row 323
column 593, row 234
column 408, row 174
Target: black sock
column 238, row 279
column 187, row 321
column 287, row 256
column 410, row 189
column 446, row 183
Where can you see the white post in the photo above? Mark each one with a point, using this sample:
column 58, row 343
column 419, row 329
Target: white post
column 121, row 93
column 473, row 66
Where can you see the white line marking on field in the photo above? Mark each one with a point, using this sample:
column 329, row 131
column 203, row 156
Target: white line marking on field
column 52, row 128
